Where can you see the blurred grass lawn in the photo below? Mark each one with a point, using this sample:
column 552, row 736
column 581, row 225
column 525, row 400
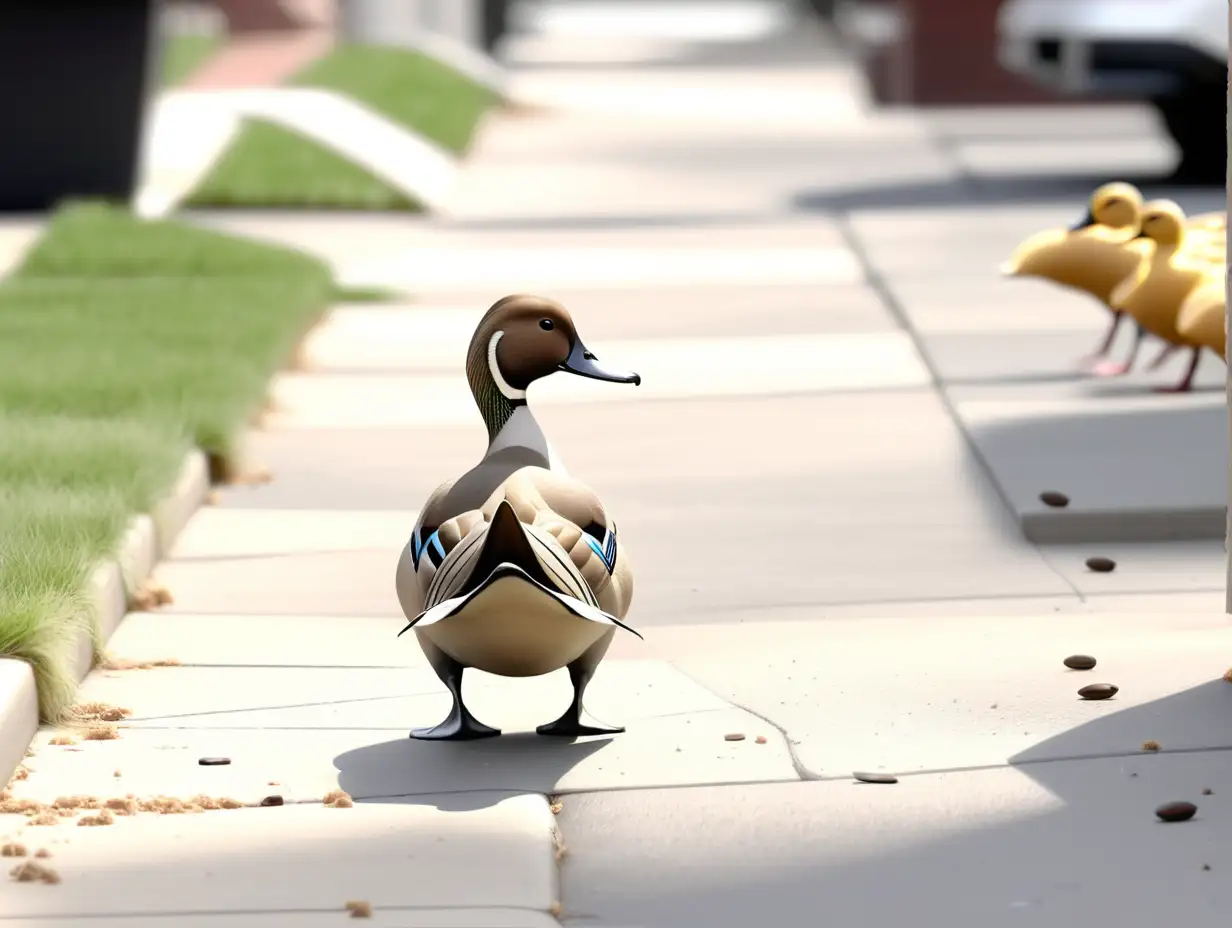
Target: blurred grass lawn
column 268, row 166
column 122, row 344
column 183, row 56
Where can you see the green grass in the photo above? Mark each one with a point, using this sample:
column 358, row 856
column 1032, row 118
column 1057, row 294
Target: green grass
column 183, row 56
column 122, row 344
column 367, row 295
column 268, row 166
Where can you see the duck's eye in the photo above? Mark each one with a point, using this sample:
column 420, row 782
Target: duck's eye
column 547, row 325
column 1115, row 201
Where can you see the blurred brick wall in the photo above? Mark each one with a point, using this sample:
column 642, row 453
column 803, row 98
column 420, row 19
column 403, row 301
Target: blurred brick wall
column 947, row 54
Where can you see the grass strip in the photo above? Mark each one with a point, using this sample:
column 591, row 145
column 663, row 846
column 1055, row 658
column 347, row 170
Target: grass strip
column 184, row 55
column 268, row 166
column 123, row 343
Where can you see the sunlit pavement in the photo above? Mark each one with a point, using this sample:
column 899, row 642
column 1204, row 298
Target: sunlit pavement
column 822, row 485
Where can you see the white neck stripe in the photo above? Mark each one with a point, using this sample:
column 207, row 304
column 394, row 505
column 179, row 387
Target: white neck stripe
column 509, row 392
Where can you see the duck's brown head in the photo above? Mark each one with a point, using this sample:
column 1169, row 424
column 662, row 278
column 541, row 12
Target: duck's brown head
column 519, row 340
column 1163, row 222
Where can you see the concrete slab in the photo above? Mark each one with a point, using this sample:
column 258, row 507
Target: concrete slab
column 434, row 337
column 216, row 534
column 1067, row 843
column 985, row 303
column 671, row 369
column 1135, row 467
column 237, row 860
column 332, row 698
column 303, row 765
column 1188, row 566
column 300, row 732
column 841, row 500
column 901, row 695
column 390, row 917
column 514, row 270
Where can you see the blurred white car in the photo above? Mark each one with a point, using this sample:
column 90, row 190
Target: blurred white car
column 1173, row 53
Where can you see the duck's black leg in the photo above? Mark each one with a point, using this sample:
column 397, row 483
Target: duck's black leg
column 459, row 725
column 1106, row 345
column 1186, row 383
column 575, row 722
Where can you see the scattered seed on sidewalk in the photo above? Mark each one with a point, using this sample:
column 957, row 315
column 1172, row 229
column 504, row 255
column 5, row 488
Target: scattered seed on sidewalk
column 1079, row 662
column 760, row 739
column 93, row 821
column 46, row 818
column 359, row 908
column 214, row 761
column 1055, row 499
column 271, row 801
column 12, row 849
column 338, row 799
column 62, row 740
column 1176, row 811
column 555, row 909
column 152, row 595
column 1098, row 691
column 31, row 872
column 1101, row 565
column 98, row 712
column 43, row 853
column 97, row 732
column 734, row 736
column 875, row 777
column 116, row 774
column 556, row 807
column 1227, row 677
column 1150, row 745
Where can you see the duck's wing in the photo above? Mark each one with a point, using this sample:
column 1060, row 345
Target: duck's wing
column 1203, row 315
column 431, row 541
column 1213, row 222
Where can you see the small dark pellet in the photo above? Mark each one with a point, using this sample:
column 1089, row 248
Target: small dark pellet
column 214, row 761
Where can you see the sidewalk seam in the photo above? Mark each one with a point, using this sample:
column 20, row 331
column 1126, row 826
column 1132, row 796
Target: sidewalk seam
column 146, row 542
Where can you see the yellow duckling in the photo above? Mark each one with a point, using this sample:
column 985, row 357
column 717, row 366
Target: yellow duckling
column 1204, row 315
column 1091, row 256
column 1181, row 262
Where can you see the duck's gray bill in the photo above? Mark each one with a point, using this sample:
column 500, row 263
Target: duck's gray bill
column 585, row 364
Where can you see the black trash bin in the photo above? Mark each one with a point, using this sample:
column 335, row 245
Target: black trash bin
column 75, row 76
column 495, row 15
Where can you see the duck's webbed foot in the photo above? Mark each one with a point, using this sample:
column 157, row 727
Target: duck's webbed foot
column 576, row 722
column 459, row 725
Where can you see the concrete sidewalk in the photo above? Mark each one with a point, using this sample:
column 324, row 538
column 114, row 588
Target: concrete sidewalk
column 828, row 579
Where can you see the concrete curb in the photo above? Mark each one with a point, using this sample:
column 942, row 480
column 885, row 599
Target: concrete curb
column 147, row 541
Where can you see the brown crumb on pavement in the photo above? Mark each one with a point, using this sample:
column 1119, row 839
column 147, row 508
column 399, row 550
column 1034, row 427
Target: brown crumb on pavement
column 21, row 773
column 359, row 908
column 116, row 774
column 1227, row 677
column 122, row 806
column 13, row 806
column 98, row 712
column 47, row 818
column 62, row 740
column 12, row 849
column 43, row 853
column 556, row 807
column 1150, row 745
column 760, row 739
column 101, row 733
column 31, row 872
column 152, row 595
column 555, row 909
column 77, row 802
column 338, row 799
column 1207, row 791
column 255, row 476
column 561, row 850
column 103, row 817
column 212, row 498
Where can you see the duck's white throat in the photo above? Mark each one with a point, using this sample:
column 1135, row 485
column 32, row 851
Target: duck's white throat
column 508, row 391
column 522, row 431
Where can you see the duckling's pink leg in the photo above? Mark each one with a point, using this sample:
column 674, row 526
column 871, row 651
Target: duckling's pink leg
column 1102, row 351
column 1186, row 383
column 1115, row 368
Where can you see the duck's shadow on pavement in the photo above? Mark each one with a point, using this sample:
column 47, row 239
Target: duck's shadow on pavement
column 461, row 775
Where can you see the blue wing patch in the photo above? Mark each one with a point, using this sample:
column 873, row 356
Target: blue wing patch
column 433, row 547
column 602, row 541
